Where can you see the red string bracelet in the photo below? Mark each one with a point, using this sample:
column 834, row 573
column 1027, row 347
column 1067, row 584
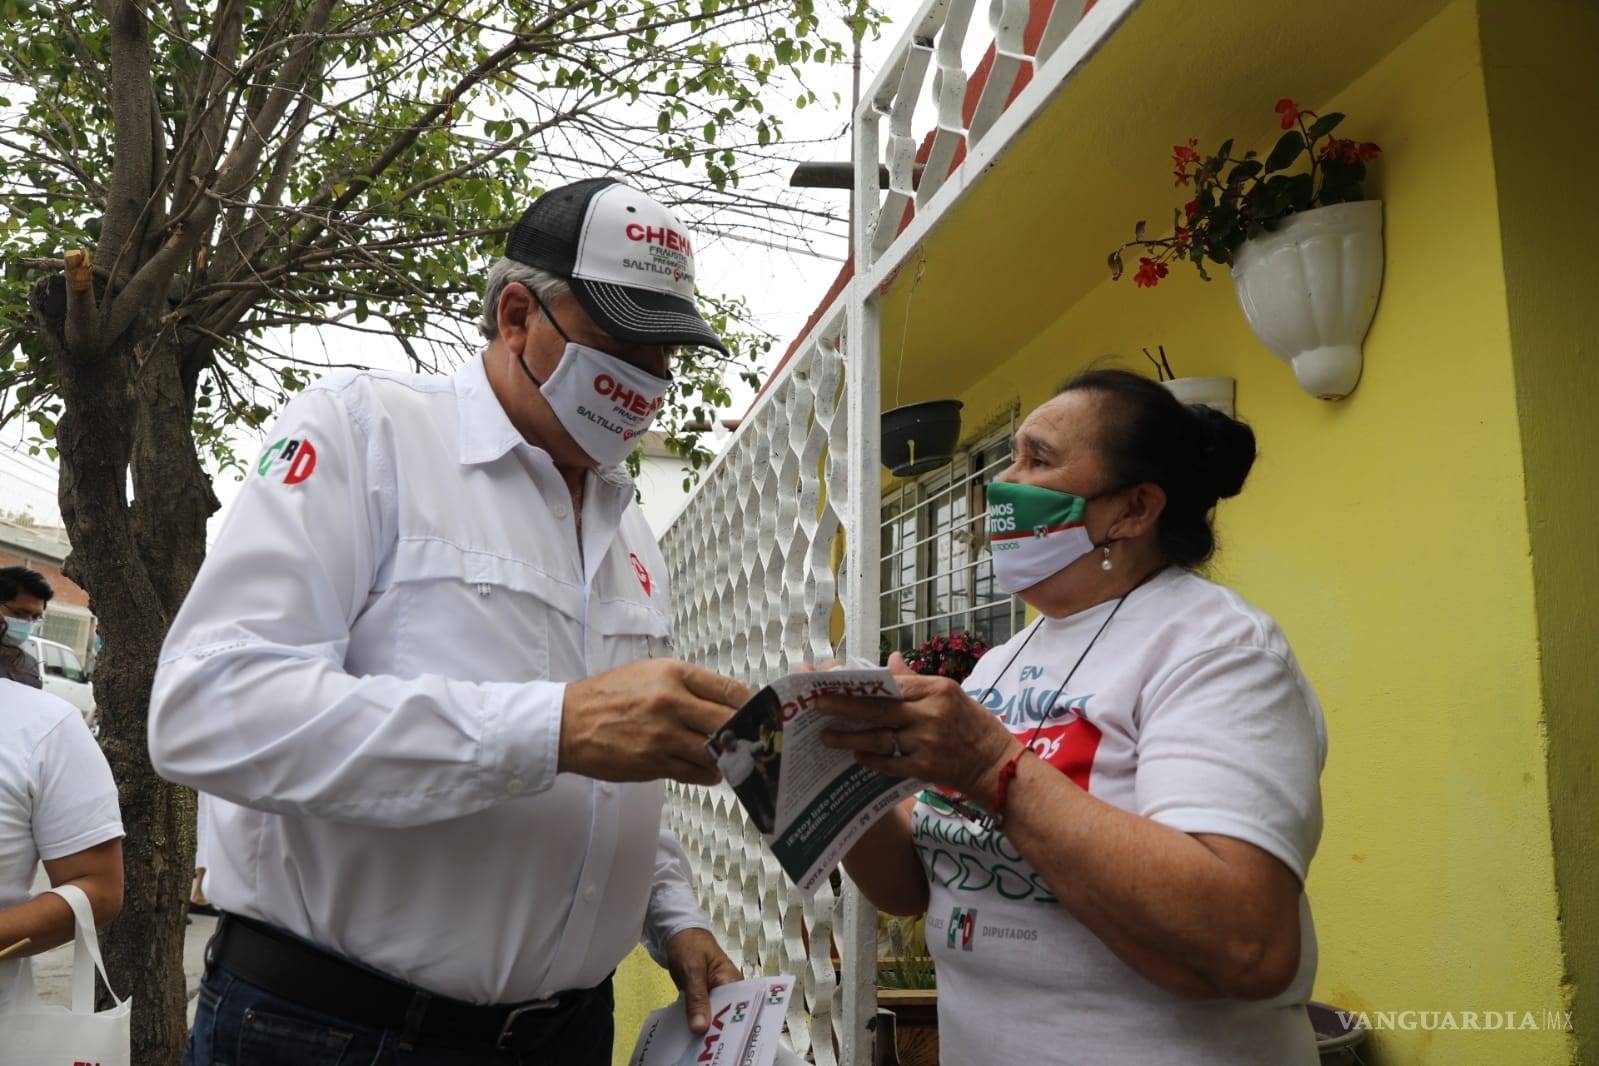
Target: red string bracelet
column 1006, row 773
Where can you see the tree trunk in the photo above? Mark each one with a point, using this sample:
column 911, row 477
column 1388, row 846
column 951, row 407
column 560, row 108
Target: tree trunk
column 125, row 412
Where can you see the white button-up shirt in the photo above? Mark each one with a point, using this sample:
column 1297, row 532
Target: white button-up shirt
column 367, row 678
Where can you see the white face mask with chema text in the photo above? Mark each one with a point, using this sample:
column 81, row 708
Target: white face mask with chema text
column 605, row 403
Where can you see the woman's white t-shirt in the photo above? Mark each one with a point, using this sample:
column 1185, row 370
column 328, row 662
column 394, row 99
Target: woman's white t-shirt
column 1191, row 711
column 56, row 799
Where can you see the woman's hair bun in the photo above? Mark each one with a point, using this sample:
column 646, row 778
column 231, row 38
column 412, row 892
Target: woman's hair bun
column 1227, row 450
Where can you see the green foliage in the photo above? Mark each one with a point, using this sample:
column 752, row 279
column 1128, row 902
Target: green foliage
column 700, row 386
column 412, row 135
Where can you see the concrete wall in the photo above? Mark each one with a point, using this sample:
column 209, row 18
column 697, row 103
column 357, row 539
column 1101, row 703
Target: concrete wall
column 1542, row 97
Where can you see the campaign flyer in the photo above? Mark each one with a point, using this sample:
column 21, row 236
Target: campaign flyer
column 809, row 802
column 745, row 1023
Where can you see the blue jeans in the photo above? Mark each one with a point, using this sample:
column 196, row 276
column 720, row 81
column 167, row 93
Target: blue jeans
column 238, row 1024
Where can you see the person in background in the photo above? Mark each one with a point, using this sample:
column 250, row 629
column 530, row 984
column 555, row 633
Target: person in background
column 24, row 594
column 57, row 804
column 1127, row 792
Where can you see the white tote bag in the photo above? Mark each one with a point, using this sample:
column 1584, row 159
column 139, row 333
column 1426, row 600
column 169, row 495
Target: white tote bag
column 33, row 1034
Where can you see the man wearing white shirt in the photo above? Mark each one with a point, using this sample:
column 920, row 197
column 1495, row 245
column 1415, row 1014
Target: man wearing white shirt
column 58, row 804
column 417, row 679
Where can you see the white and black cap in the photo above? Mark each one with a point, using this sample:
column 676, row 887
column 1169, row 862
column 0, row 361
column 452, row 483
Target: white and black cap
column 629, row 260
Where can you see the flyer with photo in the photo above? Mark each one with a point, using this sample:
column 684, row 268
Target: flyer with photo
column 809, row 802
column 746, row 1019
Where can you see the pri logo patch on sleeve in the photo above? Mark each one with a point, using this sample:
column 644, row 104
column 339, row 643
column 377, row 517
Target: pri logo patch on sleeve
column 290, row 460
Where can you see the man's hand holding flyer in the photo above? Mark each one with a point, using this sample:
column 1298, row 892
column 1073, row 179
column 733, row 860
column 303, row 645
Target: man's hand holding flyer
column 809, row 802
column 746, row 1021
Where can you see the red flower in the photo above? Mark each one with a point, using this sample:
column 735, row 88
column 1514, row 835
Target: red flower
column 1289, row 111
column 1149, row 273
column 1182, row 235
column 1191, row 208
column 1349, row 151
column 1183, row 155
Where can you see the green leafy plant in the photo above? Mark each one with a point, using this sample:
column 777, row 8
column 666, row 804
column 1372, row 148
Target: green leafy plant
column 1237, row 199
column 909, row 964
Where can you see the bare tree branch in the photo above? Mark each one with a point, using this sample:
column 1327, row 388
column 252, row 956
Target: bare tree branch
column 130, row 104
column 81, row 316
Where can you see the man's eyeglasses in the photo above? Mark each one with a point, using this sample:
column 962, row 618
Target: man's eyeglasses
column 629, row 353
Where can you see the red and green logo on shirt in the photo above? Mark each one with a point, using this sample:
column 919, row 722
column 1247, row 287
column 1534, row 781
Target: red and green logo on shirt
column 288, row 460
column 962, row 924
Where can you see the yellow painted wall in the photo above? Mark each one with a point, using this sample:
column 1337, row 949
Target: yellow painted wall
column 1387, row 533
column 641, row 989
column 1542, row 99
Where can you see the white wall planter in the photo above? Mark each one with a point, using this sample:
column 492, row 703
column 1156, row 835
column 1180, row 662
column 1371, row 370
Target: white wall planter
column 1212, row 392
column 1309, row 290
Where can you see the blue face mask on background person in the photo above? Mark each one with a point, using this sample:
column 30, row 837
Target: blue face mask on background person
column 18, row 630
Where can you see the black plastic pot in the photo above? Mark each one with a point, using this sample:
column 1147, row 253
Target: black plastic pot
column 920, row 436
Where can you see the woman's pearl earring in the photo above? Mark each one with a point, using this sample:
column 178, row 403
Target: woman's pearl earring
column 1106, row 564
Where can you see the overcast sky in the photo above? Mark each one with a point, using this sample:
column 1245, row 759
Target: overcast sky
column 782, row 286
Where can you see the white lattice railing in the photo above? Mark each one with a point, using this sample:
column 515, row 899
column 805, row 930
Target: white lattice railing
column 752, row 559
column 982, row 120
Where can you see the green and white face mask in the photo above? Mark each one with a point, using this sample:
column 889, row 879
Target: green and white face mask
column 1034, row 533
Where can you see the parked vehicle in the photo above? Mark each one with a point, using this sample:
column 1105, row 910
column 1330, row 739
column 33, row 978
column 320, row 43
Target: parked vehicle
column 64, row 675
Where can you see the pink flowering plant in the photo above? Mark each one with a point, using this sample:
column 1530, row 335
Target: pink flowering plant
column 1236, row 199
column 953, row 656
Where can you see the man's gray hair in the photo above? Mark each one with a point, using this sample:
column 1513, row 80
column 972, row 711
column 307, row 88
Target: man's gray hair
column 549, row 288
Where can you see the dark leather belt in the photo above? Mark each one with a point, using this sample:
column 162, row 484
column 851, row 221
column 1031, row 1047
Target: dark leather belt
column 302, row 973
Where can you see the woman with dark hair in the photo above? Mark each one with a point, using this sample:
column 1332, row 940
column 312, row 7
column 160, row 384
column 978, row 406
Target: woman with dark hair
column 1124, row 799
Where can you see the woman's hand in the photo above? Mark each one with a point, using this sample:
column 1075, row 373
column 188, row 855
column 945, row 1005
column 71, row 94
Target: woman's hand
column 944, row 736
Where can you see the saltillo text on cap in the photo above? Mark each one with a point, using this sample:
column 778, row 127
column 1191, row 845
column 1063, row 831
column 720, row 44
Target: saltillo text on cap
column 629, row 260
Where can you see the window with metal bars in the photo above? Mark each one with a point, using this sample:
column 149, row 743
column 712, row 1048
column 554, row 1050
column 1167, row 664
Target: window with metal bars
column 938, row 575
column 66, row 627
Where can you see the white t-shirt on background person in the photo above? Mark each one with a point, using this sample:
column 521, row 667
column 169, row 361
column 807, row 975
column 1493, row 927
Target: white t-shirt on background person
column 56, row 799
column 1190, row 710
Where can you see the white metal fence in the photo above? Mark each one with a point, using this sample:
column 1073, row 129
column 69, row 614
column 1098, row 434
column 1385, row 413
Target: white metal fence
column 925, row 184
column 753, row 559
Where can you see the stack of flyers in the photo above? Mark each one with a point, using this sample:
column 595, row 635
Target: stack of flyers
column 809, row 802
column 746, row 1021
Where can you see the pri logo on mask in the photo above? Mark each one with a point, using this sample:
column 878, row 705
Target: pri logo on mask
column 288, row 460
